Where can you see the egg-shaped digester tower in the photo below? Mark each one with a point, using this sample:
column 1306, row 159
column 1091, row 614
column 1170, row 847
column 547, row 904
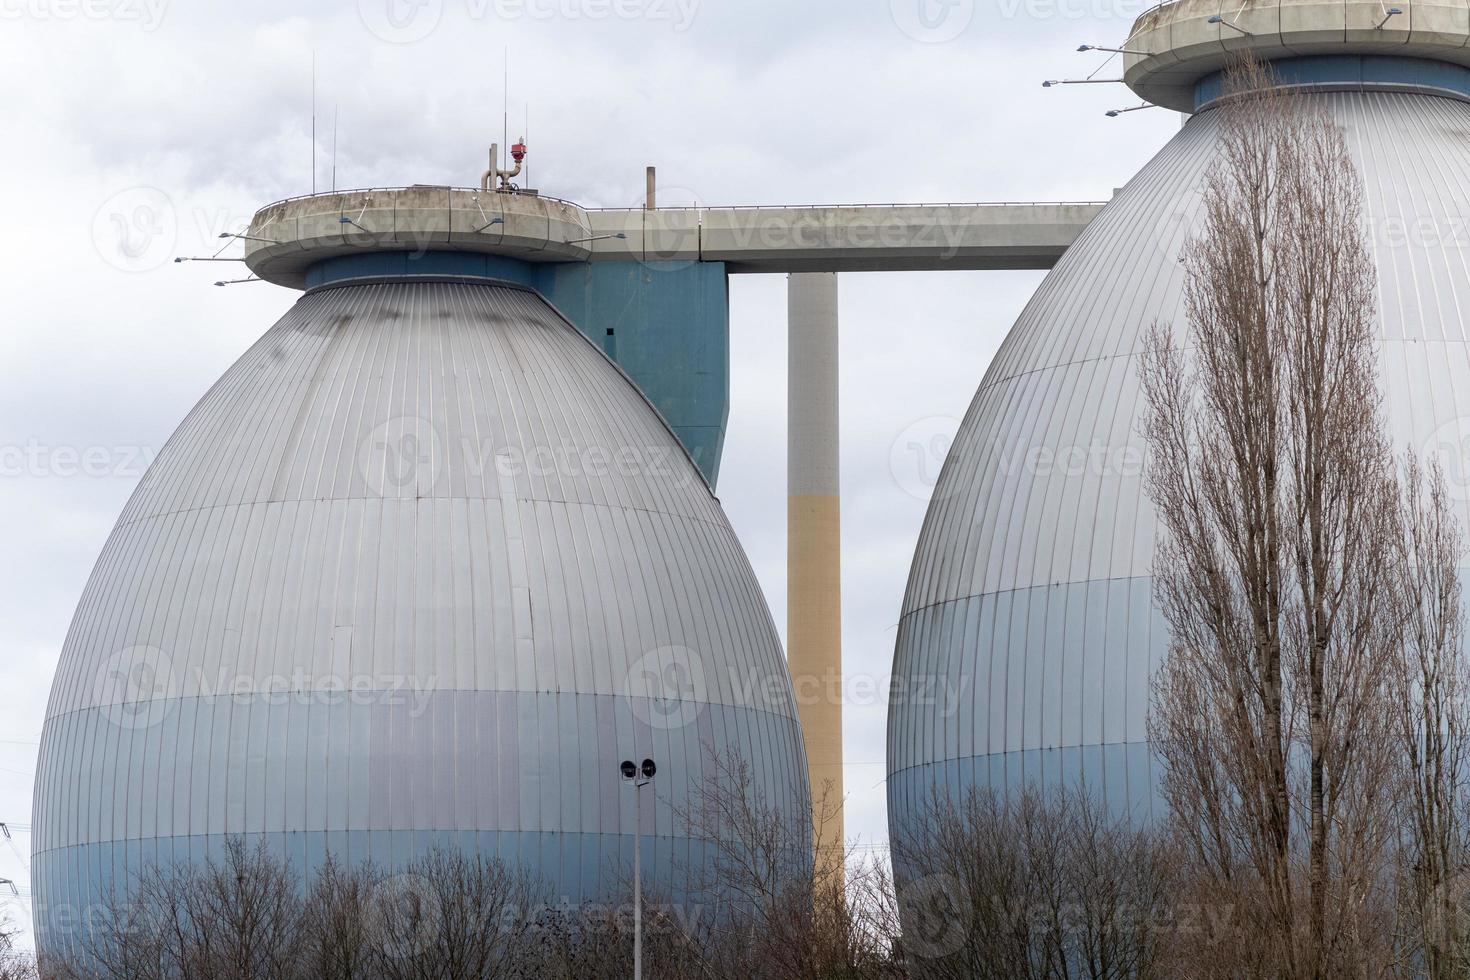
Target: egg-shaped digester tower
column 419, row 571
column 1029, row 616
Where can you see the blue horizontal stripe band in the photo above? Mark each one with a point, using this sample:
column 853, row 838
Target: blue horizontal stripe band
column 1353, row 72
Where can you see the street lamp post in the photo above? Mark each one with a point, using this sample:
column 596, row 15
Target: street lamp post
column 639, row 776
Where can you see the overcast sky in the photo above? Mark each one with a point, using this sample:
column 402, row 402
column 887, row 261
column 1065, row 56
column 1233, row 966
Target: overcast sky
column 199, row 113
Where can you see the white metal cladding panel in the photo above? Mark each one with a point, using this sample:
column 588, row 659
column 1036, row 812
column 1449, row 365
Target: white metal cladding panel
column 443, row 498
column 1041, row 499
column 491, row 368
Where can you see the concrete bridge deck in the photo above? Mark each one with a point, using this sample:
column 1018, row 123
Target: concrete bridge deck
column 287, row 238
column 862, row 238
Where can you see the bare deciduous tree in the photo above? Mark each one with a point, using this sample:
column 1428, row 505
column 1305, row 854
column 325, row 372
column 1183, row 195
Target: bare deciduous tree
column 774, row 909
column 597, row 941
column 337, row 939
column 451, row 916
column 14, row 964
column 125, row 939
column 1034, row 886
column 237, row 918
column 446, row 916
column 1432, row 714
column 1276, row 567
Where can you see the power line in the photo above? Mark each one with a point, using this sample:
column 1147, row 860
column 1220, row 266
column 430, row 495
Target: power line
column 313, row 121
column 10, row 842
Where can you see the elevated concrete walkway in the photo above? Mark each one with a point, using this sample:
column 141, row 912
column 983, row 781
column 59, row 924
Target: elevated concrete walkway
column 287, row 238
column 864, row 238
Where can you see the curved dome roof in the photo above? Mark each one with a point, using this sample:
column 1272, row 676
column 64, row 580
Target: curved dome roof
column 422, row 567
column 1029, row 606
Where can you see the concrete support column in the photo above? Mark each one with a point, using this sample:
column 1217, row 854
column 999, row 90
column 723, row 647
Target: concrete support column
column 814, row 548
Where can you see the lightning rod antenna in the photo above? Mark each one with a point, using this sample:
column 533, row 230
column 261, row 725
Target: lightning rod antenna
column 313, row 121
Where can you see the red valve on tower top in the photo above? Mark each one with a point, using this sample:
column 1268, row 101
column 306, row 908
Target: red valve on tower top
column 518, row 151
